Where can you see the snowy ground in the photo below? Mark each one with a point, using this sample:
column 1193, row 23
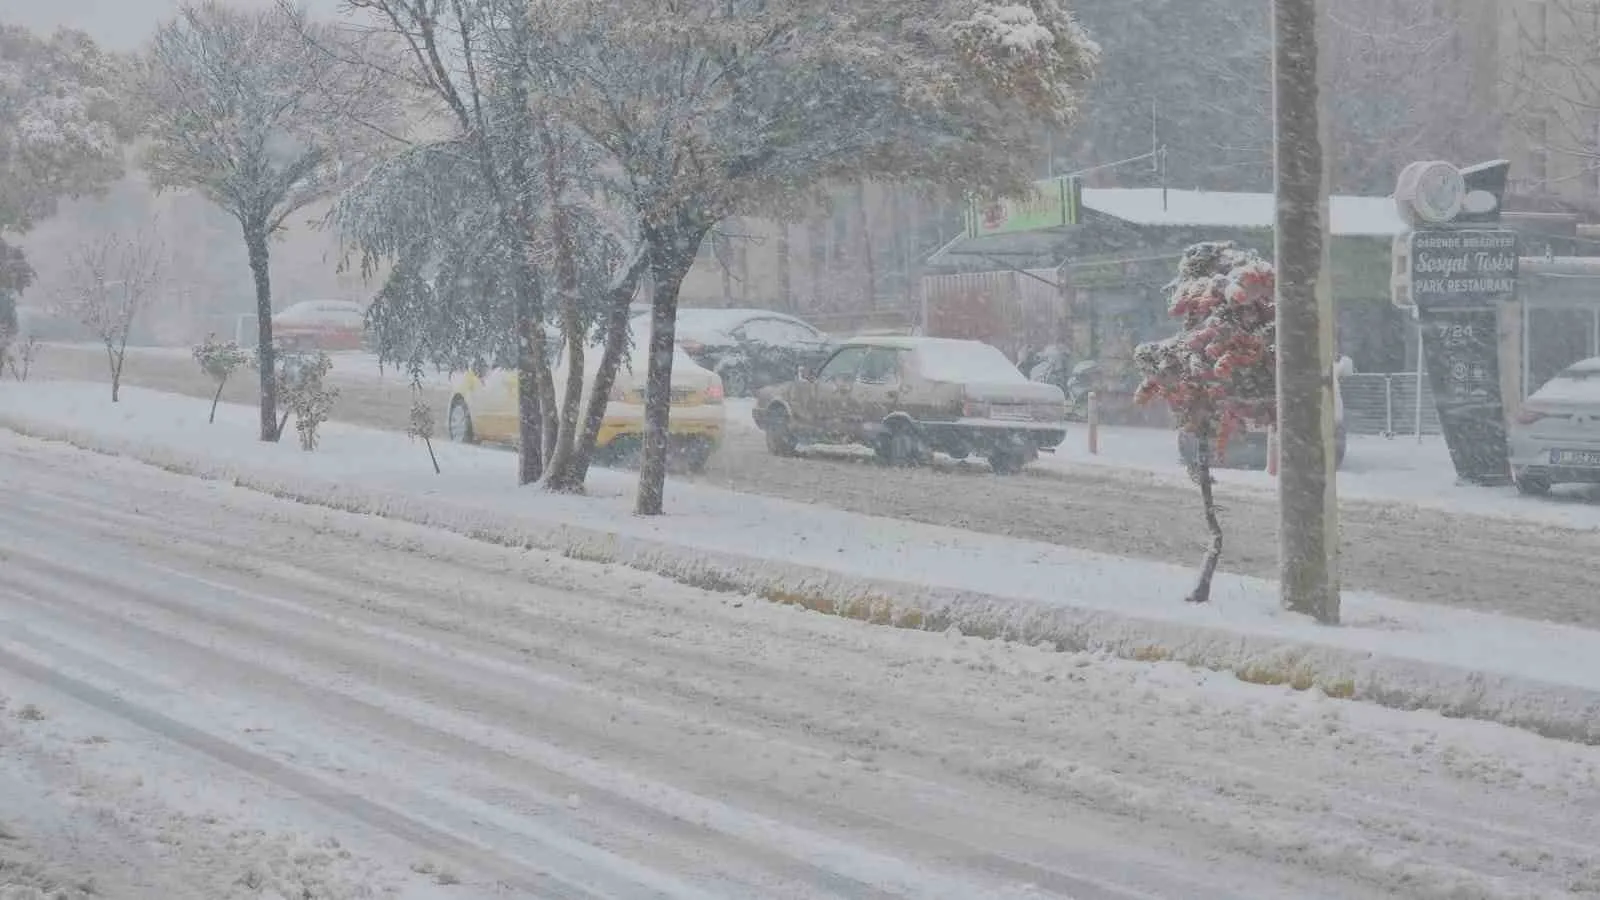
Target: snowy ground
column 372, row 471
column 1524, row 556
column 400, row 709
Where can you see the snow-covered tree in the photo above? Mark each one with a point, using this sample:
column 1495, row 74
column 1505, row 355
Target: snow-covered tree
column 421, row 424
column 712, row 108
column 1218, row 373
column 19, row 354
column 263, row 123
column 62, row 130
column 219, row 360
column 63, row 122
column 15, row 277
column 496, row 229
column 106, row 284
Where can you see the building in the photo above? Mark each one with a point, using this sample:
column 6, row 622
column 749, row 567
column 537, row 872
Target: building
column 853, row 264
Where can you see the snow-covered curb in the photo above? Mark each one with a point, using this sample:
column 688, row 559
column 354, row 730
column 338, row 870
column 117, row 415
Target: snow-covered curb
column 1569, row 711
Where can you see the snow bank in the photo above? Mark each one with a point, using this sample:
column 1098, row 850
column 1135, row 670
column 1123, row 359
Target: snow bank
column 1538, row 676
column 1376, row 470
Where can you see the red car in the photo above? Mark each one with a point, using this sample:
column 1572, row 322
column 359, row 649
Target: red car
column 321, row 325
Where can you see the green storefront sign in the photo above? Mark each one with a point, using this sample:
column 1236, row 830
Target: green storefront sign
column 1053, row 203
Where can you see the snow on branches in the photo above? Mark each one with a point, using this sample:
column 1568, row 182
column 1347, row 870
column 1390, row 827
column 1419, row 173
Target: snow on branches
column 1219, row 372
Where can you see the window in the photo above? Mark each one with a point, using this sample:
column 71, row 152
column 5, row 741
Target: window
column 843, row 365
column 881, row 366
column 777, row 332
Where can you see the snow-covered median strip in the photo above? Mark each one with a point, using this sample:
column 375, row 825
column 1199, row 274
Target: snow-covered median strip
column 1533, row 675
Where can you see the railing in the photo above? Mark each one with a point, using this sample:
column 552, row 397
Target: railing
column 1386, row 404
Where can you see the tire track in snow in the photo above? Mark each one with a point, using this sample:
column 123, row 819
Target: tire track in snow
column 899, row 699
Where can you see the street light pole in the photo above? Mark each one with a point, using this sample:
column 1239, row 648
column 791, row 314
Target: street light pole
column 1308, row 525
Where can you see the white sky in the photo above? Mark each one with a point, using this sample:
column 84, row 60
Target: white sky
column 117, row 24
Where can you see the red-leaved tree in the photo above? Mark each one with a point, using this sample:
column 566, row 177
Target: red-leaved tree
column 1218, row 372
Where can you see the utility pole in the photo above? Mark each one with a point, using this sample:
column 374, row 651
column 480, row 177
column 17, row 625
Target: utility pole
column 1308, row 532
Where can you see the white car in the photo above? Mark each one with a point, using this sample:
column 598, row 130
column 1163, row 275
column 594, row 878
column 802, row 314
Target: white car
column 485, row 408
column 1555, row 439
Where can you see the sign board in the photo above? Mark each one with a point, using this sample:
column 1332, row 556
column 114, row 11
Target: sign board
column 1461, row 268
column 1052, row 203
column 1461, row 346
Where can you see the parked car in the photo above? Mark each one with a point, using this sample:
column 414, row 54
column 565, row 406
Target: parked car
column 1555, row 438
column 906, row 397
column 1248, row 449
column 483, row 406
column 320, row 325
column 749, row 348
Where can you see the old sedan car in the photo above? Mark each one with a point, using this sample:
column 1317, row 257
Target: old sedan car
column 749, row 348
column 1555, row 438
column 320, row 325
column 907, row 397
column 484, row 407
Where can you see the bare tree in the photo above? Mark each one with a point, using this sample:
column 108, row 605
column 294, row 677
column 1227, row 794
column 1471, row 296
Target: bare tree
column 263, row 124
column 708, row 109
column 106, row 284
column 1553, row 87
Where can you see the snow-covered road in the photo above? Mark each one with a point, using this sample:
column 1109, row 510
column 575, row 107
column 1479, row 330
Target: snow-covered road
column 245, row 693
column 1491, row 564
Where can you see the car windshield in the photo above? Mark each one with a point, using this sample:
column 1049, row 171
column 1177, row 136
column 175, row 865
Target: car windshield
column 965, row 362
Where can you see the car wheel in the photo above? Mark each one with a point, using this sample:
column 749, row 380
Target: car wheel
column 736, row 382
column 901, row 446
column 1007, row 462
column 459, row 424
column 780, row 438
column 1533, row 485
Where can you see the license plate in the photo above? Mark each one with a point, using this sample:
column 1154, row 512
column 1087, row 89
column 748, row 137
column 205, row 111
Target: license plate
column 1012, row 415
column 1575, row 458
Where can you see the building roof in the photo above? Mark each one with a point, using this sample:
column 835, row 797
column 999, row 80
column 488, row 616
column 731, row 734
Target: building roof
column 1350, row 216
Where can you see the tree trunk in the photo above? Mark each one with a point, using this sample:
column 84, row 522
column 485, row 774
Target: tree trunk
column 561, row 472
column 114, row 362
column 1200, row 471
column 215, row 399
column 530, row 419
column 255, row 242
column 605, row 378
column 672, row 252
column 1306, row 582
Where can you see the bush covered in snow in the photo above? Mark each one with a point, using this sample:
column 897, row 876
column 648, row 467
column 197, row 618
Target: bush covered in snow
column 219, row 360
column 301, row 380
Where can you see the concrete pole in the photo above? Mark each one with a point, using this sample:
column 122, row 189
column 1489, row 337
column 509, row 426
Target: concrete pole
column 1308, row 524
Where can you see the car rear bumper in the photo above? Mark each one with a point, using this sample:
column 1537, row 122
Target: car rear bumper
column 625, row 421
column 1537, row 455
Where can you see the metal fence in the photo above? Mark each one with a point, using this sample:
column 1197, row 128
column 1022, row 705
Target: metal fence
column 1386, row 404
